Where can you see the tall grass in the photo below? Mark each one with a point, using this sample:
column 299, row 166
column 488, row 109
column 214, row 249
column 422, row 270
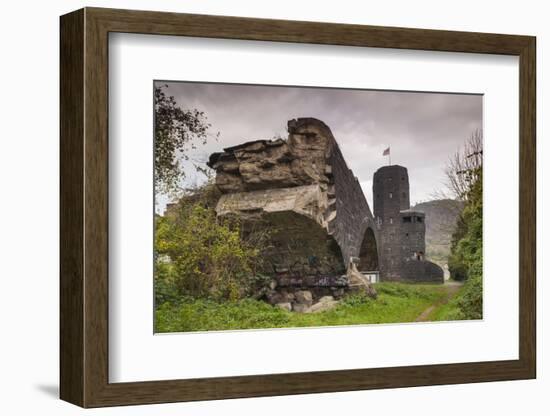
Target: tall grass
column 396, row 302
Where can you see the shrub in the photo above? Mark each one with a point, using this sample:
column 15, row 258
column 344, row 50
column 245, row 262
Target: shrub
column 470, row 303
column 209, row 257
column 466, row 259
column 165, row 289
column 467, row 242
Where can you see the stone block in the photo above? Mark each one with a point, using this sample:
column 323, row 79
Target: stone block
column 300, row 307
column 323, row 305
column 304, row 297
column 287, row 306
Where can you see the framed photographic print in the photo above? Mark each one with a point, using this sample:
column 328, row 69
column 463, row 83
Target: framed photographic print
column 255, row 207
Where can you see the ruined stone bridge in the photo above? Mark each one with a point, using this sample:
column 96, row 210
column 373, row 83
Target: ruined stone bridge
column 321, row 229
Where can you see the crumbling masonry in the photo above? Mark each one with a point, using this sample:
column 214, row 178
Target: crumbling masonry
column 323, row 235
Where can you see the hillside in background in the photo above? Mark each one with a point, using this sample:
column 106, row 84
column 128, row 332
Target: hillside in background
column 441, row 216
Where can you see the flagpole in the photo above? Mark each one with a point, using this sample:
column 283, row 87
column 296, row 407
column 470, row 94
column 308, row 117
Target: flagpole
column 387, row 152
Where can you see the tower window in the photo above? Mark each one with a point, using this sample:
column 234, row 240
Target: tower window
column 418, row 219
column 407, row 219
column 391, row 220
column 391, row 195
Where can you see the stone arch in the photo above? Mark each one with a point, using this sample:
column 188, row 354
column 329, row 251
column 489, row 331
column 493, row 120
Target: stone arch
column 298, row 246
column 368, row 252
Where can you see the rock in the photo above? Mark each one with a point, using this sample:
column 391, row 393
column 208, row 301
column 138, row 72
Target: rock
column 300, row 160
column 273, row 284
column 300, row 308
column 359, row 283
column 323, row 305
column 287, row 306
column 261, row 293
column 304, row 297
column 338, row 293
column 274, row 297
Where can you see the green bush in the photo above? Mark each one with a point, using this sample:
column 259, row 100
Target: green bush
column 469, row 303
column 165, row 289
column 457, row 267
column 208, row 256
column 466, row 259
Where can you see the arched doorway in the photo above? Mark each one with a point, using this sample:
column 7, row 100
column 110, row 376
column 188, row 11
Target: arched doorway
column 368, row 253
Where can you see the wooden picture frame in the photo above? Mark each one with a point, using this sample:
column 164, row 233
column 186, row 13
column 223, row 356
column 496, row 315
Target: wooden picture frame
column 84, row 207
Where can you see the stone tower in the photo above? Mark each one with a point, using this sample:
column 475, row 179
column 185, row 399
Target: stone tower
column 401, row 230
column 391, row 196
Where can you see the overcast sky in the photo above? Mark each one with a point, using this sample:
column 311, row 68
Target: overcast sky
column 422, row 129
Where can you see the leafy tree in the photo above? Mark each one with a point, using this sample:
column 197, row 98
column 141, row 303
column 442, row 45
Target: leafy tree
column 176, row 132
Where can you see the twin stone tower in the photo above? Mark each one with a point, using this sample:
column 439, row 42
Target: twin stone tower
column 322, row 234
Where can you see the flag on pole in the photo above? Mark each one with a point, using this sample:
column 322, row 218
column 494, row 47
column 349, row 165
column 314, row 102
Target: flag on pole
column 387, row 153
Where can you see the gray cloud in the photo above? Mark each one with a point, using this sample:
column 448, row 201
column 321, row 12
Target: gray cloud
column 422, row 129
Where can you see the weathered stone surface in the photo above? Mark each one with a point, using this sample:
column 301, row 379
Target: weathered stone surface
column 300, row 160
column 338, row 292
column 309, row 201
column 324, row 304
column 300, row 308
column 304, row 297
column 319, row 223
column 359, row 283
column 287, row 306
column 275, row 297
column 288, row 296
column 285, row 280
column 305, row 174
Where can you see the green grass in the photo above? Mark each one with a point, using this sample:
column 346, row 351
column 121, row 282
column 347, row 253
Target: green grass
column 445, row 312
column 396, row 302
column 452, row 311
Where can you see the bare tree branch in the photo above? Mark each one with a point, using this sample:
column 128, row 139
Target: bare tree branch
column 463, row 168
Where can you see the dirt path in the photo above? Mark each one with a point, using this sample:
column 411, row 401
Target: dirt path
column 452, row 288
